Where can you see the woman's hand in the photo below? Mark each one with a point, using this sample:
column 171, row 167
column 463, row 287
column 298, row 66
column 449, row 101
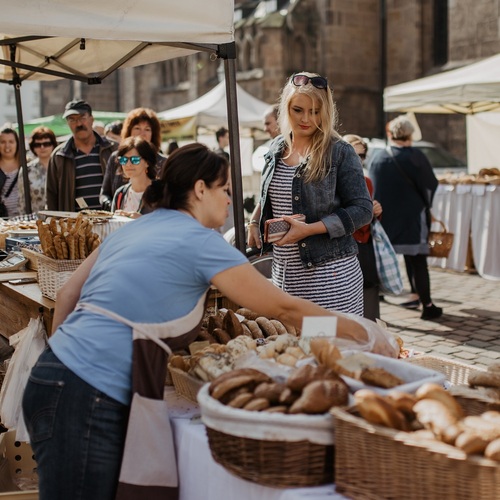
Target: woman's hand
column 299, row 231
column 253, row 236
column 377, row 208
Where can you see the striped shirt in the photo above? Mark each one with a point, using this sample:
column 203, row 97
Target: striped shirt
column 336, row 285
column 88, row 178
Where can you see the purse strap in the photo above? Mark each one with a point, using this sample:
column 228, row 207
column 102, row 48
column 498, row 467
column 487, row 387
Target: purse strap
column 11, row 187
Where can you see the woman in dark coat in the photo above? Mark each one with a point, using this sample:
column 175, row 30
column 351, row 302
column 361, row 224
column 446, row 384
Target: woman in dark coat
column 405, row 185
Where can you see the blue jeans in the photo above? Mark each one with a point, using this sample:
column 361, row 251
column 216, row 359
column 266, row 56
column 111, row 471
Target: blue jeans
column 77, row 433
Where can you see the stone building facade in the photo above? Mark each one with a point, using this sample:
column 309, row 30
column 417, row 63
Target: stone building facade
column 359, row 45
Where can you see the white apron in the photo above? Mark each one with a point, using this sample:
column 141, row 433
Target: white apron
column 149, row 466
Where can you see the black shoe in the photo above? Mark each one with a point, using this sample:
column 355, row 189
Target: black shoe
column 431, row 312
column 412, row 304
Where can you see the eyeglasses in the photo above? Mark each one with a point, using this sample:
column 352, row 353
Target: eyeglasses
column 45, row 144
column 319, row 82
column 123, row 160
column 77, row 118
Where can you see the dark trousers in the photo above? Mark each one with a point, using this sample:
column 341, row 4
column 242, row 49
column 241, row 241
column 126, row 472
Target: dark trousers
column 418, row 273
column 371, row 303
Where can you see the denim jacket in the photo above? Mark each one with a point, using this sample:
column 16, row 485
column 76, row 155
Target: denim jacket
column 341, row 201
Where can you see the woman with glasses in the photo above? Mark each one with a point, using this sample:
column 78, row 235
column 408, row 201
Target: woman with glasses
column 140, row 122
column 9, row 172
column 310, row 170
column 42, row 143
column 137, row 160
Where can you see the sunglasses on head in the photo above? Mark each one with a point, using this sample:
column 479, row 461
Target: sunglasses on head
column 123, row 160
column 45, row 144
column 319, row 82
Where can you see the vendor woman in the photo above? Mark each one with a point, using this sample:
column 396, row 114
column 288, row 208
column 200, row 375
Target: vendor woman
column 142, row 290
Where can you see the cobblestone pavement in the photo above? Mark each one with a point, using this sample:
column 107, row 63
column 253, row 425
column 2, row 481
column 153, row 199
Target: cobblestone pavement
column 468, row 331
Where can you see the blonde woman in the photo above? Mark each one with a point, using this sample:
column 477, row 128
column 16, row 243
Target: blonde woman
column 309, row 170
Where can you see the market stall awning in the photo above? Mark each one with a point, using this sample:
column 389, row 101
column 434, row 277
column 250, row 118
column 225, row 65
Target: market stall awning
column 474, row 88
column 87, row 41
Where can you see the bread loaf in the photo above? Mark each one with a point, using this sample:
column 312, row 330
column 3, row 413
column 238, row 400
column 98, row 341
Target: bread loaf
column 320, row 396
column 231, row 324
column 376, row 410
column 435, row 391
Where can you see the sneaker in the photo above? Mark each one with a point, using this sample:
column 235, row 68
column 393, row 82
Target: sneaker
column 412, row 304
column 431, row 312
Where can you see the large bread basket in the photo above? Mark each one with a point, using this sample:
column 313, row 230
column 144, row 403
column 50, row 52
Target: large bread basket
column 269, row 448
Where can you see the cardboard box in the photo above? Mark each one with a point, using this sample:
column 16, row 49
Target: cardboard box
column 17, row 467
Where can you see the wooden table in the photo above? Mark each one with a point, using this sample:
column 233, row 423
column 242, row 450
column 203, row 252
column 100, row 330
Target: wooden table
column 19, row 303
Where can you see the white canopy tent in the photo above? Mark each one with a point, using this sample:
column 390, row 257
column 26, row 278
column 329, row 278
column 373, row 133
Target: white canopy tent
column 48, row 39
column 210, row 109
column 472, row 90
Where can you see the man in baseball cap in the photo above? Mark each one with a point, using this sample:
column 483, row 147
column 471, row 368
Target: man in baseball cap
column 76, row 167
column 77, row 107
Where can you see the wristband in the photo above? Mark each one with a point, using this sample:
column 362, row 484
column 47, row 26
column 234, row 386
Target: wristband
column 253, row 222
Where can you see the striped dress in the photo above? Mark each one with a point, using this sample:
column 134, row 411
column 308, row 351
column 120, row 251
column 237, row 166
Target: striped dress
column 336, row 285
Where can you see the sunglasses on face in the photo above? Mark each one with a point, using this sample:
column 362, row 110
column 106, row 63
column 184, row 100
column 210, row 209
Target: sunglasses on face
column 45, row 144
column 319, row 82
column 123, row 160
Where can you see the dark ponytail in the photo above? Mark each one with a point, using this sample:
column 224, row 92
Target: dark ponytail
column 183, row 168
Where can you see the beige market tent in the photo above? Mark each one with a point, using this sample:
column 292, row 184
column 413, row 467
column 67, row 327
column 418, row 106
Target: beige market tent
column 473, row 90
column 87, row 41
column 210, row 110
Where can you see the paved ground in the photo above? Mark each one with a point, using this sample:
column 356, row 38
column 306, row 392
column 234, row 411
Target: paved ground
column 468, row 331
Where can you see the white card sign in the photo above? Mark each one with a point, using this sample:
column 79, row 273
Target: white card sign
column 319, row 326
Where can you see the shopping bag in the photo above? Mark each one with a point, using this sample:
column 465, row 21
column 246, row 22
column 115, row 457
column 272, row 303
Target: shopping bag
column 386, row 261
column 31, row 341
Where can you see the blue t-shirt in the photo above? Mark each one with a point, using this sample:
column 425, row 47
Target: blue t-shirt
column 151, row 270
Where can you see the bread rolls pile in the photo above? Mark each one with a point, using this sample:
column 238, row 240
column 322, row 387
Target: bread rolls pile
column 67, row 239
column 309, row 389
column 433, row 413
column 222, row 327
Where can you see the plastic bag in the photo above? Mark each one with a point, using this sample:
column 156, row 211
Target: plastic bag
column 29, row 343
column 377, row 340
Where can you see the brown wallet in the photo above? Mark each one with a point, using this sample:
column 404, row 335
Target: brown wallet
column 275, row 229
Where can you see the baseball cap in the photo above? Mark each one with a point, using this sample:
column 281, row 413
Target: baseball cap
column 77, row 107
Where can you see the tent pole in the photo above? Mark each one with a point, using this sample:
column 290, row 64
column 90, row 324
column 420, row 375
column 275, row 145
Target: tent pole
column 234, row 144
column 22, row 141
column 22, row 148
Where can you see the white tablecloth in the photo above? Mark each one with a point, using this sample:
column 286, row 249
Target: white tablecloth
column 201, row 478
column 470, row 210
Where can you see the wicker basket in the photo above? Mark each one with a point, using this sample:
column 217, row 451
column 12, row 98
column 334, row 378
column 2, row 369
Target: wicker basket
column 185, row 385
column 457, row 374
column 247, row 444
column 374, row 462
column 440, row 242
column 53, row 273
